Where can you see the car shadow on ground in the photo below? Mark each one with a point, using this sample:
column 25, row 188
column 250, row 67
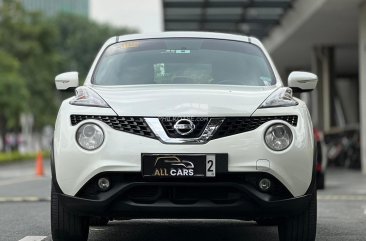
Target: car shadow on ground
column 183, row 230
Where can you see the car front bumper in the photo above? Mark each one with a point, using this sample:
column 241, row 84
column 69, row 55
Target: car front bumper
column 121, row 151
column 221, row 198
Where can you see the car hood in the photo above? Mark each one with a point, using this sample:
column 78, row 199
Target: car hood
column 183, row 100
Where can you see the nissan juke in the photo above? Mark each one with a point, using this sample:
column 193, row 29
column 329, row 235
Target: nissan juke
column 184, row 125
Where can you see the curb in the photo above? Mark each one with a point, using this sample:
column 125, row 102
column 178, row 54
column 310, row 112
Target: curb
column 24, row 199
column 342, row 197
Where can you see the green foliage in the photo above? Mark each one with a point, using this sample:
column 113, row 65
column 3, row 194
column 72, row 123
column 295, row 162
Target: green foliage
column 28, row 40
column 7, row 157
column 33, row 50
column 13, row 91
column 80, row 40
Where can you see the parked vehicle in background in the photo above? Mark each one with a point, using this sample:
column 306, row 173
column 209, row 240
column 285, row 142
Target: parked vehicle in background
column 184, row 125
column 343, row 148
column 321, row 158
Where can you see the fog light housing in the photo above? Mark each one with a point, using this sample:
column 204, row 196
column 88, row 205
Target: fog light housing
column 264, row 184
column 104, row 184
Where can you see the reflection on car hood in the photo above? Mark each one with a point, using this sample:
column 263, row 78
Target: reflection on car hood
column 184, row 100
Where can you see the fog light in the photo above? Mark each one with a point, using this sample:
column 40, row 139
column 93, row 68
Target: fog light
column 104, row 184
column 264, row 184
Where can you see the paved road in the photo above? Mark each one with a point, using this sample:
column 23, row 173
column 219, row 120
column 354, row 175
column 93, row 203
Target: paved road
column 341, row 217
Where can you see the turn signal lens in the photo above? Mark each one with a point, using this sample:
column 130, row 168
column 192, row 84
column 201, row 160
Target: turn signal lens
column 280, row 98
column 85, row 96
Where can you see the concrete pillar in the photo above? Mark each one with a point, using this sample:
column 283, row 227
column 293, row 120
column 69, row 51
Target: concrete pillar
column 315, row 107
column 362, row 85
column 323, row 66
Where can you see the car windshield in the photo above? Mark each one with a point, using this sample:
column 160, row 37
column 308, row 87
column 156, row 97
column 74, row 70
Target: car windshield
column 183, row 61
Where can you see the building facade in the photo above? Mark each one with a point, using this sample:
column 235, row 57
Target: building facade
column 327, row 37
column 54, row 7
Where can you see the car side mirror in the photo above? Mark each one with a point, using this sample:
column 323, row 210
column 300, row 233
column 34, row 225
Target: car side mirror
column 302, row 81
column 67, row 81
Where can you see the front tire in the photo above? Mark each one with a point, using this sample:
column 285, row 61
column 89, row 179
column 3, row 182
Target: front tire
column 65, row 225
column 301, row 227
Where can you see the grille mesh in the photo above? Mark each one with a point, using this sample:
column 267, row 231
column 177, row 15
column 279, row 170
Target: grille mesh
column 133, row 125
column 236, row 125
column 138, row 126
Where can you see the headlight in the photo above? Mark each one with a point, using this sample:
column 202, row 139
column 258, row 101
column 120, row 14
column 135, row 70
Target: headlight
column 87, row 97
column 90, row 136
column 280, row 98
column 278, row 137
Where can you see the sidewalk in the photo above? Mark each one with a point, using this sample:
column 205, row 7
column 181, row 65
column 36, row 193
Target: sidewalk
column 344, row 182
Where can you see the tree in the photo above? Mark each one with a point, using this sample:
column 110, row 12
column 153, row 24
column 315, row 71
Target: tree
column 13, row 93
column 80, row 40
column 33, row 49
column 29, row 39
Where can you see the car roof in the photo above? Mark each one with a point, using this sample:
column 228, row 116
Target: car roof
column 188, row 34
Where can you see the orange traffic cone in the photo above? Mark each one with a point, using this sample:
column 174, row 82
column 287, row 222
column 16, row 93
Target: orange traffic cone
column 39, row 165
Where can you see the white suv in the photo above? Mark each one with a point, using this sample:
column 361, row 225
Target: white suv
column 184, row 125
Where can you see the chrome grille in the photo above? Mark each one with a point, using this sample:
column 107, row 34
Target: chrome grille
column 168, row 124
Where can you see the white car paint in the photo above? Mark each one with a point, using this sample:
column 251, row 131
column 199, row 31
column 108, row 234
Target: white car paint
column 121, row 151
column 183, row 100
column 67, row 80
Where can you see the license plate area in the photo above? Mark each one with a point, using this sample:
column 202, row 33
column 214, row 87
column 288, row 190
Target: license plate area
column 183, row 165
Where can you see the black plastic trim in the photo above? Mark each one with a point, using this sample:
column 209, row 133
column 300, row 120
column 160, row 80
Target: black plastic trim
column 298, row 90
column 230, row 126
column 312, row 185
column 254, row 205
column 53, row 170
